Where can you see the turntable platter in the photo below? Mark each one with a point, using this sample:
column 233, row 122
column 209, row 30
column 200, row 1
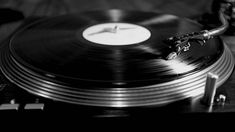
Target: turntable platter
column 56, row 47
column 111, row 58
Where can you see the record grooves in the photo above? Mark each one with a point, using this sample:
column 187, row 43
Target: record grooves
column 50, row 58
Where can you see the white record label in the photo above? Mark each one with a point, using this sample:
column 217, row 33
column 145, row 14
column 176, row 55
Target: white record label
column 116, row 34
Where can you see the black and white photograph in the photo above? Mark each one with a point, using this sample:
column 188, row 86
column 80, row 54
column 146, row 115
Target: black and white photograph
column 117, row 58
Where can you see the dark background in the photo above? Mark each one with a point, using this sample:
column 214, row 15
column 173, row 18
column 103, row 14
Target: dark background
column 9, row 20
column 185, row 8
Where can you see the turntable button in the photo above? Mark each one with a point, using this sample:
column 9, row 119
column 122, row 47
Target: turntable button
column 34, row 106
column 221, row 99
column 12, row 101
column 9, row 106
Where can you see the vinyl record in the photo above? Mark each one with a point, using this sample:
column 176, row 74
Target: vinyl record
column 110, row 58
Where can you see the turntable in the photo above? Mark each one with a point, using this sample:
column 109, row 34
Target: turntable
column 112, row 62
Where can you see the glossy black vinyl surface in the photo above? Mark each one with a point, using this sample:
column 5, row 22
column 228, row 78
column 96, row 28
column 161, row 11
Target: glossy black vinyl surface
column 55, row 47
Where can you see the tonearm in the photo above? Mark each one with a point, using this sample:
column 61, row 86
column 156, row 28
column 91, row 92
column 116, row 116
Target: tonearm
column 179, row 44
